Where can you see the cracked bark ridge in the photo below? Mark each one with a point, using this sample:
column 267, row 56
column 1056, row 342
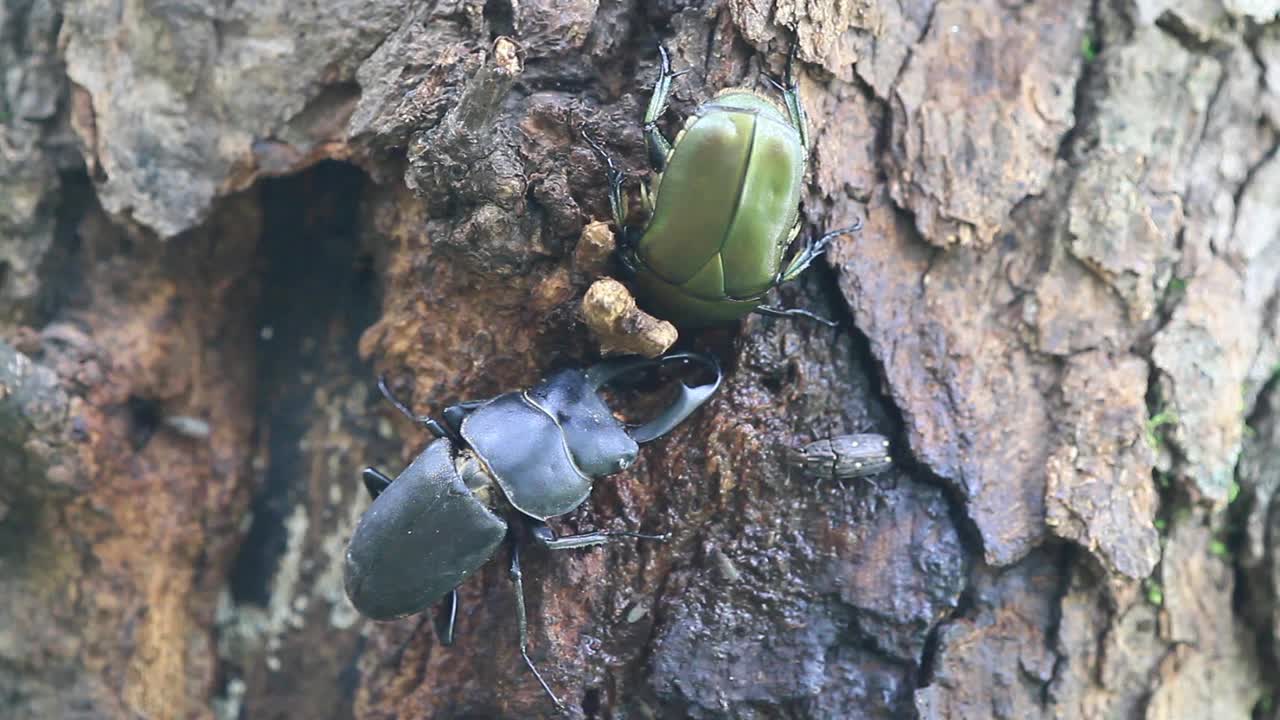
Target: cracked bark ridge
column 32, row 151
column 830, row 34
column 1121, row 234
column 1113, row 633
column 843, row 642
column 1084, row 275
column 465, row 166
column 959, row 392
column 1266, row 53
column 953, row 385
column 1210, row 667
column 880, row 586
column 187, row 104
column 38, row 448
column 1253, row 249
column 1099, row 491
column 1204, row 355
column 978, row 113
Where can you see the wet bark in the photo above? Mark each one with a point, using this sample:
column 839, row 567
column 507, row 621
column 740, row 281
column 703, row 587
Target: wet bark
column 219, row 223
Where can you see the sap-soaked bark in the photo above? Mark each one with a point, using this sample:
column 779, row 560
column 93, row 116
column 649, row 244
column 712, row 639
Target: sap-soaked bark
column 878, row 578
column 1065, row 301
column 109, row 594
column 1004, row 636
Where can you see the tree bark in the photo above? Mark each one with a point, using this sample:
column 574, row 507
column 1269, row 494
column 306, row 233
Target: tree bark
column 220, row 222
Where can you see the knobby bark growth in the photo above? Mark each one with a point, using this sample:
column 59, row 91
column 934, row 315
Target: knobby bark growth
column 218, row 223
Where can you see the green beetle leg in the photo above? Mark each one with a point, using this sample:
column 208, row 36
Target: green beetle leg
column 791, row 97
column 799, row 262
column 548, row 539
column 798, row 265
column 811, row 251
column 646, row 199
column 617, row 200
column 657, row 145
column 793, row 313
column 522, row 623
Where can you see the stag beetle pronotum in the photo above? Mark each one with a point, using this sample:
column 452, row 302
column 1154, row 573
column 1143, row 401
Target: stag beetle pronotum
column 519, row 458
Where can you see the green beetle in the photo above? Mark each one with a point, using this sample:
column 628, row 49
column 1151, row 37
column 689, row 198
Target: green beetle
column 723, row 207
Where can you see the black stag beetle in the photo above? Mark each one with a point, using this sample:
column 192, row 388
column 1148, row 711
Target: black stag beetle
column 525, row 456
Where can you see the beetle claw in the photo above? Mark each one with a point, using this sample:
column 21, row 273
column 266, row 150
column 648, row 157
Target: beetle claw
column 820, row 245
column 545, row 687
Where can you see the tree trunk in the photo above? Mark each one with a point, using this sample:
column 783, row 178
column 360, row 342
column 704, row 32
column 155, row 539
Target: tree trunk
column 220, row 222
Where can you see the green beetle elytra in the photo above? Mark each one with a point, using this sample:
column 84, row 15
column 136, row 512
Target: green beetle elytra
column 723, row 207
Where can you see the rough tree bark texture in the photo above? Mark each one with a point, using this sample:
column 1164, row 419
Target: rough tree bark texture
column 219, row 221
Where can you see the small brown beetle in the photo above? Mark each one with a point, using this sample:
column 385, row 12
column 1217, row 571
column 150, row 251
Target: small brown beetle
column 843, row 457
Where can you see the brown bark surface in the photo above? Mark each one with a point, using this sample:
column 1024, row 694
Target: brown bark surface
column 220, row 221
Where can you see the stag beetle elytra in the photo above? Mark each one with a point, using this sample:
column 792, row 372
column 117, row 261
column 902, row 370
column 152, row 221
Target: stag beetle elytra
column 723, row 207
column 521, row 457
